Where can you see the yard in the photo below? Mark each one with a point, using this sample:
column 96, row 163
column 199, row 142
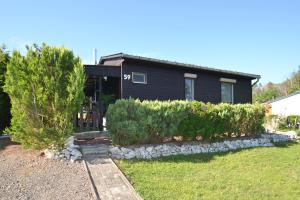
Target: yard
column 258, row 173
column 24, row 174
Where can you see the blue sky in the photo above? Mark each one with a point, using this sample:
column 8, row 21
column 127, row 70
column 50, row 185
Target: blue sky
column 261, row 37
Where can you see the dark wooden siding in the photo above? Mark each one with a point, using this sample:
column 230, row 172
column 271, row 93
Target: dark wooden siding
column 101, row 70
column 162, row 83
column 167, row 82
column 243, row 91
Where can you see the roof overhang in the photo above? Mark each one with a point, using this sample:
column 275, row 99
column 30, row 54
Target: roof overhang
column 102, row 70
column 178, row 64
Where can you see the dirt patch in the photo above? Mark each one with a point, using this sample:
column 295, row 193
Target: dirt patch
column 26, row 175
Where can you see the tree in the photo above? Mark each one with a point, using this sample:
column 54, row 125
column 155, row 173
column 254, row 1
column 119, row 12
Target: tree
column 46, row 90
column 268, row 92
column 5, row 105
column 294, row 82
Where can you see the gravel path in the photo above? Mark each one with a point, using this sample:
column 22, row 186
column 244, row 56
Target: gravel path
column 26, row 175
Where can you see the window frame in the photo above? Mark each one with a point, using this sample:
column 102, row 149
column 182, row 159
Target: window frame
column 193, row 89
column 232, row 91
column 139, row 73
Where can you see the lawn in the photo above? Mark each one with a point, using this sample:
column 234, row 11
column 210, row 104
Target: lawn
column 258, row 173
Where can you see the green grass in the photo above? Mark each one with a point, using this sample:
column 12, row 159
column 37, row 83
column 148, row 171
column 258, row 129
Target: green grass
column 258, row 173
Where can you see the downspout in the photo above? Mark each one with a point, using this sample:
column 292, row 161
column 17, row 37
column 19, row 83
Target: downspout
column 257, row 79
column 253, row 84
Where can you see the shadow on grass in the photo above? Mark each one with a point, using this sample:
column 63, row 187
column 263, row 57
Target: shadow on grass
column 285, row 144
column 207, row 157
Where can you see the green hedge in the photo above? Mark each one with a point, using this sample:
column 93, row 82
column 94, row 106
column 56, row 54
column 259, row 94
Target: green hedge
column 134, row 121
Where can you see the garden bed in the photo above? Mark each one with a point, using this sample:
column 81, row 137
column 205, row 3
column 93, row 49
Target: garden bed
column 150, row 151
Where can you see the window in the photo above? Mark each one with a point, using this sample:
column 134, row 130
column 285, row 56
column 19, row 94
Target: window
column 227, row 92
column 139, row 77
column 189, row 89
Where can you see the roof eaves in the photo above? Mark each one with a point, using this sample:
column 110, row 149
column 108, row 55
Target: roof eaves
column 122, row 55
column 116, row 55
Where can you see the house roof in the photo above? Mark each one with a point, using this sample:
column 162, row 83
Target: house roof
column 284, row 97
column 178, row 64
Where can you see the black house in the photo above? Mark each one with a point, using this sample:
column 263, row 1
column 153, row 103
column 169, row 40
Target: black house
column 127, row 76
column 124, row 76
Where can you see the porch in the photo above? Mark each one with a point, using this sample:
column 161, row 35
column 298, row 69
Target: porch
column 102, row 88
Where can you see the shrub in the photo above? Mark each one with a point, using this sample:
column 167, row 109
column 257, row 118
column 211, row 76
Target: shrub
column 46, row 90
column 134, row 121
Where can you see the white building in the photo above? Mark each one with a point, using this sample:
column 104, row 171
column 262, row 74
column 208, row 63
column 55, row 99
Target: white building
column 285, row 106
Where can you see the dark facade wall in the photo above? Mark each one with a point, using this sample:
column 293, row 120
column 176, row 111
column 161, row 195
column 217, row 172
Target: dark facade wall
column 162, row 83
column 101, row 70
column 243, row 91
column 167, row 82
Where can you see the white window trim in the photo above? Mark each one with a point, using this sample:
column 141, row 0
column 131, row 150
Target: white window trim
column 189, row 75
column 193, row 89
column 139, row 73
column 228, row 80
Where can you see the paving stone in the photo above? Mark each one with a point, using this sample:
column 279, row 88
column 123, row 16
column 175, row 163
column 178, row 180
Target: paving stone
column 110, row 181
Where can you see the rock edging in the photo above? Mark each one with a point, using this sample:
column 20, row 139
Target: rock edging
column 70, row 152
column 168, row 149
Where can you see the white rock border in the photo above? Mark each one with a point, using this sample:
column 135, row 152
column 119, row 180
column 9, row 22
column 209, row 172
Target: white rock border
column 70, row 152
column 185, row 148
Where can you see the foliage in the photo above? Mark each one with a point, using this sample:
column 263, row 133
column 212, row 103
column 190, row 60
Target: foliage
column 293, row 83
column 270, row 91
column 5, row 105
column 46, row 90
column 133, row 121
column 108, row 99
column 289, row 123
column 283, row 123
column 258, row 173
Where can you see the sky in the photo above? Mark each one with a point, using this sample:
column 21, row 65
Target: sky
column 255, row 36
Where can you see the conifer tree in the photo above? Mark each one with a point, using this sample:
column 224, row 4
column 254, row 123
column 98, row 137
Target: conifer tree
column 46, row 90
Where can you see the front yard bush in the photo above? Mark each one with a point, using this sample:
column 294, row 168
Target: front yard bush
column 134, row 121
column 46, row 90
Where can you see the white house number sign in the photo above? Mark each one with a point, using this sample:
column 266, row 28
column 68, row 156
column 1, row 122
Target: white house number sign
column 127, row 76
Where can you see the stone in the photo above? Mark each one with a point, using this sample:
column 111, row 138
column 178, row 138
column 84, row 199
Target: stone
column 75, row 154
column 167, row 149
column 69, row 143
column 125, row 150
column 72, row 159
column 130, row 155
column 115, row 150
column 50, row 153
column 149, row 149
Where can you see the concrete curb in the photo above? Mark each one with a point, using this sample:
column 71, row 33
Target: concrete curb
column 94, row 189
